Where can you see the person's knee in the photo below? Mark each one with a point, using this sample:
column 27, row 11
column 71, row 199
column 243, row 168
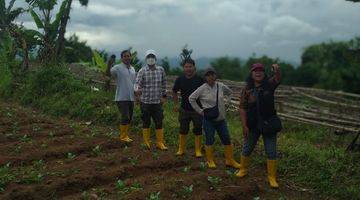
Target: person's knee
column 271, row 152
column 272, row 155
column 125, row 121
column 209, row 141
column 225, row 139
column 246, row 151
column 184, row 128
column 197, row 130
column 158, row 124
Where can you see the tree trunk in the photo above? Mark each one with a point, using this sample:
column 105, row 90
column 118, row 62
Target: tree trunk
column 26, row 55
column 62, row 31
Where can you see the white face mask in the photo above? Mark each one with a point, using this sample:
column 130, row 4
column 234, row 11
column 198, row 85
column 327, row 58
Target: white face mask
column 151, row 61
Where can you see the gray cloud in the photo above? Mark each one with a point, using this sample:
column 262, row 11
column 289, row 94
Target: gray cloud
column 214, row 28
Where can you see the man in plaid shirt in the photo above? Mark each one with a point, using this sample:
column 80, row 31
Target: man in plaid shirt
column 150, row 86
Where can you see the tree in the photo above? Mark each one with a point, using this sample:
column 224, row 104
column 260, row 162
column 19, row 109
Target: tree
column 64, row 20
column 135, row 61
column 7, row 17
column 228, row 68
column 21, row 38
column 165, row 63
column 52, row 38
column 331, row 65
column 43, row 20
column 355, row 1
column 76, row 50
column 185, row 54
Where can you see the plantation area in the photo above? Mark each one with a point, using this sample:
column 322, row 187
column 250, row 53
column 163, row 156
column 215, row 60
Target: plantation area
column 59, row 140
column 59, row 136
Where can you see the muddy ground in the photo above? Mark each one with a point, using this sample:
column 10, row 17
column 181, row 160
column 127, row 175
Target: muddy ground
column 42, row 157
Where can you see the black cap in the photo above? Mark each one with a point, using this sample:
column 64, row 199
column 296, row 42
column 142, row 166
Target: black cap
column 208, row 70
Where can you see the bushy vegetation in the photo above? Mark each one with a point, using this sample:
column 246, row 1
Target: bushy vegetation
column 329, row 65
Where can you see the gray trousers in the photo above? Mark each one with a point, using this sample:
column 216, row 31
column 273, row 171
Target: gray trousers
column 126, row 109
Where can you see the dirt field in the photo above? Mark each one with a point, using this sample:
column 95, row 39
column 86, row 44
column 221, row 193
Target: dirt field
column 46, row 158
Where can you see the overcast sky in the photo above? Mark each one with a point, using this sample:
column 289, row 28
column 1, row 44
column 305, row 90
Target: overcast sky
column 213, row 28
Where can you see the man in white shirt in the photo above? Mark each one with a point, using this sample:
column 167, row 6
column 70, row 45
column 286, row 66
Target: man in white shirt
column 125, row 77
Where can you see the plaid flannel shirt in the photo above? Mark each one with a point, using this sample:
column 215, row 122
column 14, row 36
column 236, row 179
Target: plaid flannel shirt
column 152, row 84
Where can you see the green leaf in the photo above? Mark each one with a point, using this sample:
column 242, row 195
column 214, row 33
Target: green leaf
column 11, row 4
column 55, row 25
column 2, row 6
column 99, row 61
column 14, row 14
column 37, row 19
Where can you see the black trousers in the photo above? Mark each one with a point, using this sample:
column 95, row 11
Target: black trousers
column 152, row 111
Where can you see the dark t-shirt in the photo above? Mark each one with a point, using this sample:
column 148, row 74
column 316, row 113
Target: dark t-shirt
column 187, row 86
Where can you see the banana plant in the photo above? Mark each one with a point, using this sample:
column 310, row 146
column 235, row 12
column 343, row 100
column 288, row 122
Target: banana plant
column 99, row 61
column 41, row 12
column 13, row 32
column 8, row 15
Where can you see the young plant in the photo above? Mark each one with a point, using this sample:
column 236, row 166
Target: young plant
column 202, row 166
column 187, row 191
column 155, row 155
column 186, row 169
column 134, row 160
column 25, row 138
column 214, row 180
column 51, row 134
column 5, row 176
column 154, row 196
column 70, row 156
column 18, row 149
column 96, row 150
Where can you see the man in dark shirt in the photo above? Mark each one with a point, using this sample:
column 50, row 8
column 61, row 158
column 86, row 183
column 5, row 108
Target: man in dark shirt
column 186, row 85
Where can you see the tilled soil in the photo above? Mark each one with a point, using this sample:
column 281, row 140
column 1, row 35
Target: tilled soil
column 54, row 158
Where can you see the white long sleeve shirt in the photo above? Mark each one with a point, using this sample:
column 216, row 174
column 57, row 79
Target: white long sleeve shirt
column 207, row 96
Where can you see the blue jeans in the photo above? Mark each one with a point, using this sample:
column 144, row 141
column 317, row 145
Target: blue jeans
column 269, row 144
column 220, row 127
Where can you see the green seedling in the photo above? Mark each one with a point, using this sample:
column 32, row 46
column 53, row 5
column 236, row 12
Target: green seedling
column 134, row 160
column 154, row 196
column 202, row 166
column 5, row 176
column 51, row 134
column 18, row 149
column 186, row 169
column 214, row 180
column 25, row 138
column 97, row 150
column 155, row 155
column 70, row 156
column 187, row 191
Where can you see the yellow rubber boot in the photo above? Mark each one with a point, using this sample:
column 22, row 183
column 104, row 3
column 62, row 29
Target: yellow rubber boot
column 209, row 151
column 271, row 168
column 229, row 157
column 198, row 146
column 160, row 139
column 244, row 163
column 124, row 133
column 182, row 143
column 146, row 137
